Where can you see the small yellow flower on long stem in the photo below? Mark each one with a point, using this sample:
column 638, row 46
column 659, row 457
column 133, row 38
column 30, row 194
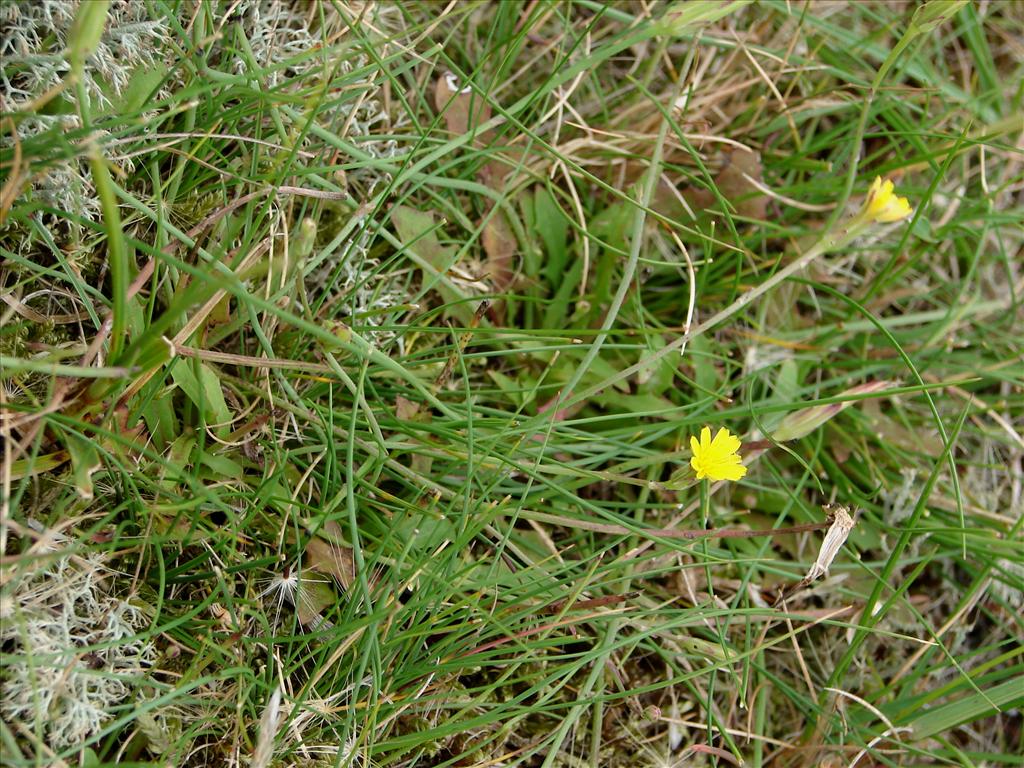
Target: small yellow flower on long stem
column 717, row 459
column 882, row 204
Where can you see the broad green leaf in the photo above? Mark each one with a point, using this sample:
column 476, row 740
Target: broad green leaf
column 37, row 465
column 943, row 718
column 204, row 391
column 600, row 369
column 424, row 530
column 698, row 354
column 643, row 402
column 556, row 315
column 161, row 420
column 658, row 377
column 86, row 32
column 515, row 389
column 85, row 460
column 786, row 381
column 417, row 231
column 222, row 466
column 553, row 229
column 328, row 556
column 178, row 461
column 143, row 84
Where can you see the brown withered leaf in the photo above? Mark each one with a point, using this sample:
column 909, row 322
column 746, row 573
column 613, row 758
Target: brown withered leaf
column 405, row 409
column 462, row 108
column 421, row 464
column 464, row 111
column 330, row 558
column 495, row 173
column 313, row 596
column 416, row 230
column 841, row 523
column 733, row 183
column 500, row 245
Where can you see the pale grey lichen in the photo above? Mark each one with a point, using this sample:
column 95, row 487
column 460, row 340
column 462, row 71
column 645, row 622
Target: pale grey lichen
column 73, row 654
column 33, row 48
column 283, row 41
column 367, row 293
column 33, row 52
column 276, row 33
column 900, row 501
column 994, row 483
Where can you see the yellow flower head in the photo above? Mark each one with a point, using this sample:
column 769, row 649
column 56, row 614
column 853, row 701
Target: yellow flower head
column 716, row 459
column 882, row 205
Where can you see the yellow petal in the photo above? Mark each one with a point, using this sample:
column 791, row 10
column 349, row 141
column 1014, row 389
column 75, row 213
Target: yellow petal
column 725, row 442
column 734, row 472
column 897, row 209
column 716, row 458
column 882, row 205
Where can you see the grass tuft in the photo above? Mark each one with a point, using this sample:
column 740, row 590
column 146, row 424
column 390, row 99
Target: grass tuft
column 351, row 351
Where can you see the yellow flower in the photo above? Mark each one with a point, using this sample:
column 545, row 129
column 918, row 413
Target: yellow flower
column 882, row 205
column 717, row 459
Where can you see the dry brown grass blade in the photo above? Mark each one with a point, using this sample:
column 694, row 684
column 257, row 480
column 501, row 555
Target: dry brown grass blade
column 228, row 358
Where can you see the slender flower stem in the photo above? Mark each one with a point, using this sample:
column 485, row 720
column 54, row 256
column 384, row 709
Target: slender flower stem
column 674, row 533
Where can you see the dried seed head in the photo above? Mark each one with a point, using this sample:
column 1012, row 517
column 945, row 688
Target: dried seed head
column 835, row 537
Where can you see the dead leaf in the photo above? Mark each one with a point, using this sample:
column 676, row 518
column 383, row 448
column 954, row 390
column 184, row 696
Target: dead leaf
column 494, row 173
column 312, row 597
column 416, row 230
column 464, row 111
column 331, row 558
column 405, row 409
column 733, row 182
column 462, row 108
column 841, row 523
column 421, row 464
column 500, row 245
